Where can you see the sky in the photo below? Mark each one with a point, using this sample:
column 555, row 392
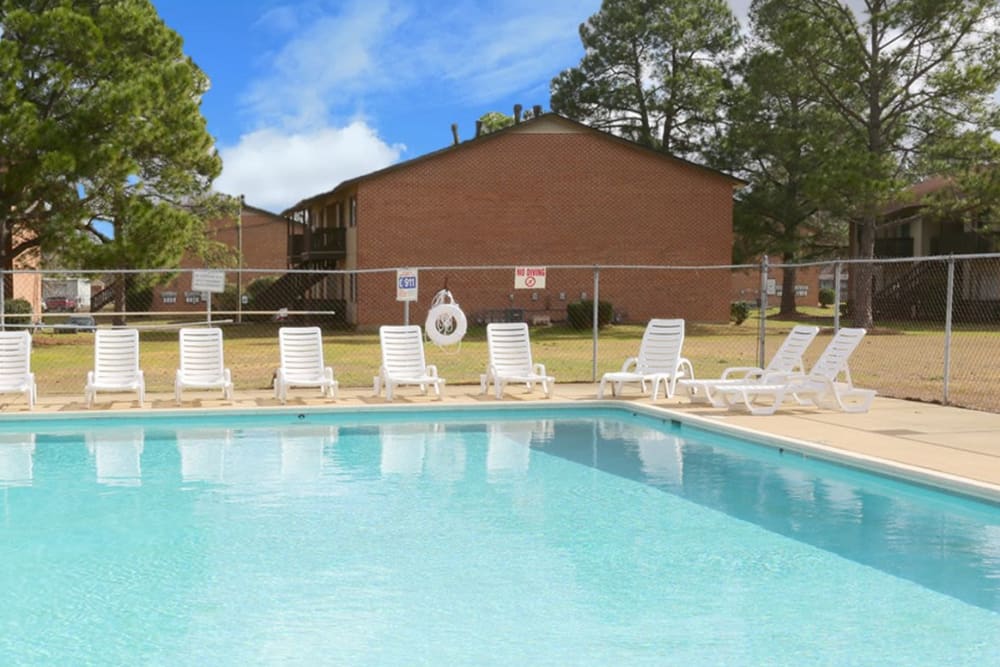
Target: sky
column 308, row 93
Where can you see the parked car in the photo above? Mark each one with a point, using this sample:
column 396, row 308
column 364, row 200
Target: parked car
column 76, row 324
column 60, row 304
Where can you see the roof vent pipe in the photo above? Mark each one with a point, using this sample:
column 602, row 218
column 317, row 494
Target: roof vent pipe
column 517, row 113
column 479, row 128
column 454, row 132
column 537, row 109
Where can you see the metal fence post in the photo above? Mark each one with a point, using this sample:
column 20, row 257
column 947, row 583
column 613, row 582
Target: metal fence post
column 836, row 297
column 949, row 301
column 762, row 332
column 597, row 297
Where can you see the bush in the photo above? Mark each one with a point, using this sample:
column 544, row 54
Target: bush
column 138, row 299
column 257, row 286
column 581, row 314
column 826, row 297
column 739, row 311
column 20, row 308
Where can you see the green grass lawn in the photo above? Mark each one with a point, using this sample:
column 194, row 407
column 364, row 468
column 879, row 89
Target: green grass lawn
column 899, row 361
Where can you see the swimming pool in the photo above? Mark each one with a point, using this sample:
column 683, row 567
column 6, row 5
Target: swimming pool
column 518, row 537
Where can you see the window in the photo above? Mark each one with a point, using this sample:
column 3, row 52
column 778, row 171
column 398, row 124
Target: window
column 354, row 212
column 192, row 297
column 340, row 214
column 168, row 297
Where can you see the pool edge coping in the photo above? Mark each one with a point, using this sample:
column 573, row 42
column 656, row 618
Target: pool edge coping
column 979, row 490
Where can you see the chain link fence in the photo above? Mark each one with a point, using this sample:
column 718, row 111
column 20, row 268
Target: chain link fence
column 934, row 330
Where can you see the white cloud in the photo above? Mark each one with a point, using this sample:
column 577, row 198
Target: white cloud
column 330, row 66
column 478, row 50
column 274, row 169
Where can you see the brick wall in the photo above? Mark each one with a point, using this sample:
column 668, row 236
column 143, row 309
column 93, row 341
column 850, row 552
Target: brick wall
column 547, row 199
column 264, row 240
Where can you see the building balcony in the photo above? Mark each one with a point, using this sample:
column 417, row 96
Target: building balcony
column 901, row 247
column 964, row 243
column 317, row 244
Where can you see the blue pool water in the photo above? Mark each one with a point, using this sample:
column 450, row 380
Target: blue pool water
column 537, row 537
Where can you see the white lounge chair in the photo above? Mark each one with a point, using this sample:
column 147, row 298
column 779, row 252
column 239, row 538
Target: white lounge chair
column 15, row 366
column 202, row 365
column 821, row 386
column 510, row 359
column 116, row 364
column 787, row 360
column 301, row 351
column 403, row 361
column 659, row 361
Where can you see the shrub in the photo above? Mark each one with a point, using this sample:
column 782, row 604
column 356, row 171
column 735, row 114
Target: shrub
column 581, row 314
column 739, row 311
column 138, row 299
column 20, row 309
column 826, row 297
column 258, row 285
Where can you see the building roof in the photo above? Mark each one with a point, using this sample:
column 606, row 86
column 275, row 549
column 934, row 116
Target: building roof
column 915, row 195
column 513, row 129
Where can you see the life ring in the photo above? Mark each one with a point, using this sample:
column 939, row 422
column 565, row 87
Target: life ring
column 446, row 324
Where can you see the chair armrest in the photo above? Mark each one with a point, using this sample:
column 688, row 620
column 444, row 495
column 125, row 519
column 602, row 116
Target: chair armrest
column 539, row 369
column 431, row 370
column 628, row 363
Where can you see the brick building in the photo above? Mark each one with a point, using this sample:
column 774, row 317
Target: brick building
column 545, row 192
column 257, row 235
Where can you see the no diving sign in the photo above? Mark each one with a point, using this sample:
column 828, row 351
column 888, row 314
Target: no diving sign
column 529, row 277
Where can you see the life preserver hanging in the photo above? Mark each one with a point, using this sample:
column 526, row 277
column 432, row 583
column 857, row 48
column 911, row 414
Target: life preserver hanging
column 446, row 323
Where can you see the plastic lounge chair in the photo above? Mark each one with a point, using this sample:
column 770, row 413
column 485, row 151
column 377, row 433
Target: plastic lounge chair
column 820, row 387
column 403, row 361
column 116, row 364
column 659, row 361
column 301, row 351
column 202, row 365
column 15, row 366
column 510, row 359
column 787, row 360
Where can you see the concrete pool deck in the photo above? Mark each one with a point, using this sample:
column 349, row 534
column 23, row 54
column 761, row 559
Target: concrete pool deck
column 944, row 441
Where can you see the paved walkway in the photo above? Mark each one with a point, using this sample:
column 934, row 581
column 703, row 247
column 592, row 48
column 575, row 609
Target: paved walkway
column 946, row 443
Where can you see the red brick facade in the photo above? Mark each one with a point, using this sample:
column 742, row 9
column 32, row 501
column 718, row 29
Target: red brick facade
column 547, row 192
column 263, row 238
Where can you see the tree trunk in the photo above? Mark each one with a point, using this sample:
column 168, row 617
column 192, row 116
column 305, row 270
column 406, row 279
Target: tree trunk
column 788, row 290
column 861, row 275
column 120, row 305
column 7, row 260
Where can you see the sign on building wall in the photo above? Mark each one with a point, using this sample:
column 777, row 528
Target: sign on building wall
column 406, row 285
column 529, row 277
column 206, row 280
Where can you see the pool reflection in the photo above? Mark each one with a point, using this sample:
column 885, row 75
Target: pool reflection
column 17, row 451
column 117, row 455
column 872, row 520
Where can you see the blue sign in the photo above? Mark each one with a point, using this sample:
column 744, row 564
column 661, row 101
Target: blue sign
column 406, row 285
